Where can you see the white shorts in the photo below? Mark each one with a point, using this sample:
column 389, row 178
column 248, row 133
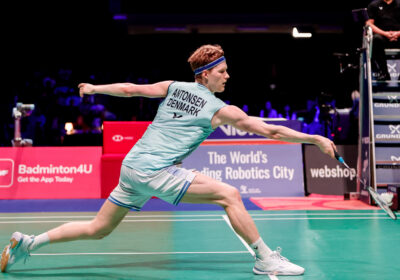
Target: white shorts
column 135, row 188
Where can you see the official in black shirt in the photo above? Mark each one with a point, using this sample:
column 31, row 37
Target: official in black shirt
column 384, row 19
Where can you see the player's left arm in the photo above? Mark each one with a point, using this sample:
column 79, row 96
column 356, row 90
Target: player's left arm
column 234, row 116
column 155, row 90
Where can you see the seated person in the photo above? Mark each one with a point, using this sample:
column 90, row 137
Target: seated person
column 384, row 19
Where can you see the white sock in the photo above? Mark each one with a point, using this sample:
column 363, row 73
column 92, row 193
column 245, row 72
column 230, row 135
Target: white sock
column 39, row 241
column 261, row 249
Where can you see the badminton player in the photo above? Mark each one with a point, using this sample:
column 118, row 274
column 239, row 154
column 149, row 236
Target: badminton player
column 185, row 118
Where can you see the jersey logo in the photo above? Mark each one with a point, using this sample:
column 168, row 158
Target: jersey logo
column 176, row 116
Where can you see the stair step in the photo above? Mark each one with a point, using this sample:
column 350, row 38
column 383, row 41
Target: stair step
column 386, row 96
column 388, row 163
column 385, row 86
column 387, row 132
column 389, row 153
column 387, row 118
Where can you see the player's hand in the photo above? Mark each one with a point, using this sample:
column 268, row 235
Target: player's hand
column 85, row 88
column 395, row 35
column 326, row 146
column 388, row 34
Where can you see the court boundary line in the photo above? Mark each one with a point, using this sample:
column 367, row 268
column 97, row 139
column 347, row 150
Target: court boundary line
column 226, row 219
column 249, row 249
column 195, row 215
column 204, row 220
column 137, row 253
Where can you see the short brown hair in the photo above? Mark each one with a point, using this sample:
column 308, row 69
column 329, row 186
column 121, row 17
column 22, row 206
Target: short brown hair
column 204, row 55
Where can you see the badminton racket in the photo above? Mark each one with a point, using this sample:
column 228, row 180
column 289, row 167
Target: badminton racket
column 383, row 203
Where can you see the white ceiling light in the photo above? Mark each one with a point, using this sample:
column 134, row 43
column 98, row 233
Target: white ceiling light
column 297, row 34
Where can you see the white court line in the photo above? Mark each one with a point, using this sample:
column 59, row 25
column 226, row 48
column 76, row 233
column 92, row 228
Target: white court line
column 320, row 214
column 199, row 215
column 123, row 221
column 138, row 253
column 136, row 217
column 238, row 236
column 208, row 220
column 323, row 218
column 272, row 277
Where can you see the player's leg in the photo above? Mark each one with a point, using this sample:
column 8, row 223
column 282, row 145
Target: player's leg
column 106, row 220
column 204, row 189
column 379, row 57
column 21, row 245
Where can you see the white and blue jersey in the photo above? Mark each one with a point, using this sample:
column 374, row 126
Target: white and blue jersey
column 182, row 123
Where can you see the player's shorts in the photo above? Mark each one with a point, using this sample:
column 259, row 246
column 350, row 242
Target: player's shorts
column 136, row 188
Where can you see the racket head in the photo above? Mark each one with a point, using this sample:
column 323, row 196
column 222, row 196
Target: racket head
column 381, row 203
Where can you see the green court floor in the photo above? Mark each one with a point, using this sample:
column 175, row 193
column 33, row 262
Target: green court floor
column 201, row 245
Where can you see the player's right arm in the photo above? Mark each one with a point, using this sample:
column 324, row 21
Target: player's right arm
column 126, row 89
column 234, row 116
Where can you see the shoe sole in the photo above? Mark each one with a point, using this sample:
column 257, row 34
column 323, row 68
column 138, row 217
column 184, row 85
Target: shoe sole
column 261, row 272
column 5, row 256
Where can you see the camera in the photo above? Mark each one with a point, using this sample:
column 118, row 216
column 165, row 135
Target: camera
column 23, row 110
column 19, row 111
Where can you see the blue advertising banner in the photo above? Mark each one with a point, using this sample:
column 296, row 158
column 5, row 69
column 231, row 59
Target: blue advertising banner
column 387, row 132
column 256, row 170
column 387, row 153
column 386, row 104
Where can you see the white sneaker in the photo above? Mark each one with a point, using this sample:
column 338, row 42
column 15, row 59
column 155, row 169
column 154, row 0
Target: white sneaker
column 277, row 265
column 16, row 250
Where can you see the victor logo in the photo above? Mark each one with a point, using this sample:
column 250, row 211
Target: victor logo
column 392, row 98
column 176, row 116
column 394, row 129
column 391, row 68
column 232, row 131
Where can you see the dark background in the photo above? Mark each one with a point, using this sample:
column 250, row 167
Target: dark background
column 44, row 36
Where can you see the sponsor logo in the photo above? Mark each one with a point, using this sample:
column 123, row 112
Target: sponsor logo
column 392, row 69
column 394, row 158
column 232, row 131
column 6, row 173
column 120, row 138
column 394, row 129
column 394, row 133
column 392, row 98
column 246, row 190
column 336, row 172
column 387, row 105
column 176, row 116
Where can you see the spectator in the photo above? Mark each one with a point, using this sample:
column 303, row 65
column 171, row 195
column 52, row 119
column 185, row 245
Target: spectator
column 268, row 111
column 288, row 113
column 245, row 108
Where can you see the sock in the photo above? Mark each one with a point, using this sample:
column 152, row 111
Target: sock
column 261, row 249
column 39, row 241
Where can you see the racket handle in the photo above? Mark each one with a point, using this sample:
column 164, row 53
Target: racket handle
column 340, row 159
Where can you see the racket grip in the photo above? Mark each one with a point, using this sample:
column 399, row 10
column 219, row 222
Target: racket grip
column 340, row 159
